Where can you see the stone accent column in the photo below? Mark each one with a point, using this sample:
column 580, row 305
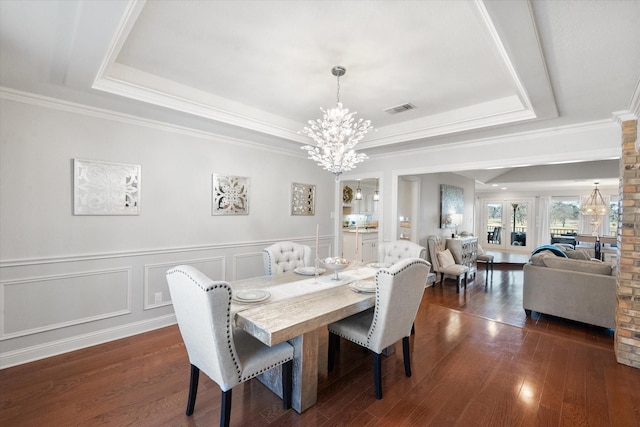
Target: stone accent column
column 627, row 337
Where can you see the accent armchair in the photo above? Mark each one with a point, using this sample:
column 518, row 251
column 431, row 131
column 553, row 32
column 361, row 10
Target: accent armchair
column 437, row 252
column 228, row 355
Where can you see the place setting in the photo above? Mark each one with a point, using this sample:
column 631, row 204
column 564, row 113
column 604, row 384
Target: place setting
column 363, row 286
column 250, row 296
column 309, row 271
column 378, row 265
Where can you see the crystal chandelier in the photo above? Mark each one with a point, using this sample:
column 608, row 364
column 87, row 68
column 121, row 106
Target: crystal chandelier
column 336, row 135
column 595, row 204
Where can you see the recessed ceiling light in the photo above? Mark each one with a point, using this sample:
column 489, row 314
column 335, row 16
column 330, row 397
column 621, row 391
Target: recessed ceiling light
column 503, row 188
column 494, row 185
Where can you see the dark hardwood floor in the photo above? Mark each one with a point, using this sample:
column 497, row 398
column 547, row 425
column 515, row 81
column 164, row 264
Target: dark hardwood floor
column 477, row 361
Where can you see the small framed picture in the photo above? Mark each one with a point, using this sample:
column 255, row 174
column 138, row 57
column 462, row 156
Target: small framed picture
column 303, row 199
column 104, row 188
column 229, row 195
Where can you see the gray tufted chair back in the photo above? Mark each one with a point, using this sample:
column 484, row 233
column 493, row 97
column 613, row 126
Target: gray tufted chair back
column 392, row 252
column 436, row 244
column 398, row 296
column 285, row 256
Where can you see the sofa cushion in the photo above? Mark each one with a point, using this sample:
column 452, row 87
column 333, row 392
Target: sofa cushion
column 593, row 267
column 445, row 258
column 573, row 253
column 537, row 259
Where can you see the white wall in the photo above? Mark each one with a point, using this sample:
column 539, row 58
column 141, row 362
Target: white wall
column 584, row 142
column 429, row 213
column 69, row 281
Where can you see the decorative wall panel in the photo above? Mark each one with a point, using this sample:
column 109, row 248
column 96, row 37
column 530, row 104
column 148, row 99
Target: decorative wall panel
column 40, row 304
column 102, row 188
column 303, row 199
column 230, row 195
column 156, row 289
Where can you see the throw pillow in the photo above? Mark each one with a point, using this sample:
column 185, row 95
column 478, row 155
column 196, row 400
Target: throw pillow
column 593, row 267
column 573, row 253
column 445, row 258
column 578, row 254
column 537, row 259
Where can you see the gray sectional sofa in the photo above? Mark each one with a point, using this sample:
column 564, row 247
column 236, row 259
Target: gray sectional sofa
column 580, row 290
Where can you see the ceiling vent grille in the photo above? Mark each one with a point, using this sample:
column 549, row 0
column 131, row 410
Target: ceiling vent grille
column 400, row 108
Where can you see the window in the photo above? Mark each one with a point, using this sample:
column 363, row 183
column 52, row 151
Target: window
column 613, row 217
column 565, row 215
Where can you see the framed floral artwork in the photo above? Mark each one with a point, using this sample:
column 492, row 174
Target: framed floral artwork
column 230, row 195
column 303, row 199
column 105, row 188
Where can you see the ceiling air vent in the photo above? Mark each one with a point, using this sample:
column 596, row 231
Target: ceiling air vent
column 400, row 108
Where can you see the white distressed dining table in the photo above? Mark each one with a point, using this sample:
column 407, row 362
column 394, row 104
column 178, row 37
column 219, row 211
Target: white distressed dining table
column 298, row 307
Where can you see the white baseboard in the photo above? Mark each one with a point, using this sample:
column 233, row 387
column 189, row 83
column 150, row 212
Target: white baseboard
column 42, row 351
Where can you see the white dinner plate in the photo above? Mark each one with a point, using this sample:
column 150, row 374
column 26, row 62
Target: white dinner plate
column 363, row 286
column 379, row 265
column 308, row 271
column 251, row 295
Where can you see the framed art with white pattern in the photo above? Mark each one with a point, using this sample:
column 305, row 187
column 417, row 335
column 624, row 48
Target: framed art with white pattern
column 230, row 195
column 105, row 188
column 303, row 199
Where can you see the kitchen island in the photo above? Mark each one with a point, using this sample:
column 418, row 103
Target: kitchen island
column 361, row 246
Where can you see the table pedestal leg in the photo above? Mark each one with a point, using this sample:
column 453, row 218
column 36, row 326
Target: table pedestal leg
column 305, row 372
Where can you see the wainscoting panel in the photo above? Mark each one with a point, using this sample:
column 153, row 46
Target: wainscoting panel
column 156, row 289
column 247, row 265
column 53, row 305
column 40, row 304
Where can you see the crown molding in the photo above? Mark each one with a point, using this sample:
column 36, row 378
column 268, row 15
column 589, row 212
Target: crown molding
column 512, row 138
column 105, row 114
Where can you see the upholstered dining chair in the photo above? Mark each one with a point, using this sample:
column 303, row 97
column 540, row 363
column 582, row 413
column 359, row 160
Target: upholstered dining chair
column 444, row 264
column 399, row 290
column 392, row 252
column 228, row 355
column 285, row 256
column 397, row 250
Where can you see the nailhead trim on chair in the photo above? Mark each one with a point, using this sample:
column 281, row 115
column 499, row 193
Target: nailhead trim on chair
column 230, row 347
column 228, row 328
column 375, row 315
column 266, row 369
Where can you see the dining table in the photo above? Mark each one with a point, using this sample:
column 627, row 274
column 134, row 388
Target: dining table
column 293, row 307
